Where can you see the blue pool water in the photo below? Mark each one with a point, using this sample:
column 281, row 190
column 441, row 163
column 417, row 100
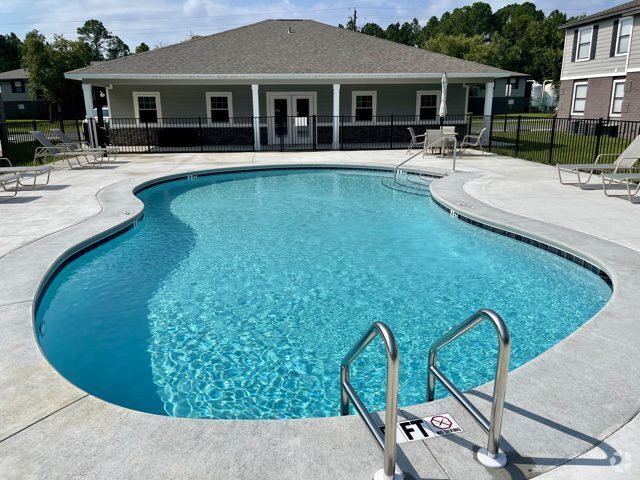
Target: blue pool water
column 238, row 295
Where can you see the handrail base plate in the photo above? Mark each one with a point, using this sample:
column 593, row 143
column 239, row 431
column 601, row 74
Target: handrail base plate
column 379, row 475
column 499, row 461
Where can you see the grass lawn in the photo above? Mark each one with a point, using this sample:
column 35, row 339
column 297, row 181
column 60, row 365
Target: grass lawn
column 22, row 146
column 567, row 147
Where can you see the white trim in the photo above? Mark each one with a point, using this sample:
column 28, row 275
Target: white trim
column 573, row 98
column 419, row 93
column 598, row 75
column 136, row 95
column 613, row 91
column 336, row 115
column 255, row 110
column 229, row 96
column 626, row 65
column 590, row 27
column 289, row 76
column 374, row 103
column 615, row 52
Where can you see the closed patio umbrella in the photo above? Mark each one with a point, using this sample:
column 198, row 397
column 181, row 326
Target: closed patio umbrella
column 443, row 98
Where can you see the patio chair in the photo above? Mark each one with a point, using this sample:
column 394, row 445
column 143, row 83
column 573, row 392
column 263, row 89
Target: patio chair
column 621, row 179
column 61, row 151
column 432, row 136
column 111, row 151
column 449, row 131
column 473, row 141
column 624, row 161
column 415, row 140
column 19, row 174
column 8, row 179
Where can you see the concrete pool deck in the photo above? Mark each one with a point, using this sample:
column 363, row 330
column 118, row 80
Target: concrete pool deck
column 573, row 405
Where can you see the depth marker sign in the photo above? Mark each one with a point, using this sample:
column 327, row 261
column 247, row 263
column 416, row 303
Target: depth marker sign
column 424, row 428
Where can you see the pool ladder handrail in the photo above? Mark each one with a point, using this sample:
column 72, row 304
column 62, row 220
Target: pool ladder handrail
column 490, row 456
column 387, row 440
column 440, row 140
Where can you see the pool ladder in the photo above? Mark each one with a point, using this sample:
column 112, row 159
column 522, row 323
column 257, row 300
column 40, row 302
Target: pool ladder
column 491, row 456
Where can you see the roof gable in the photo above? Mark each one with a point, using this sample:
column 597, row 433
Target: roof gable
column 628, row 8
column 280, row 47
column 19, row 74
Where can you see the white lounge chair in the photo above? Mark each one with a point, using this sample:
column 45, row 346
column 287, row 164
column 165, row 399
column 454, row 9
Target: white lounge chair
column 112, row 152
column 417, row 141
column 473, row 141
column 625, row 162
column 621, row 179
column 48, row 150
column 11, row 178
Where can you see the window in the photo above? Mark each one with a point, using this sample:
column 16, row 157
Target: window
column 617, row 96
column 579, row 98
column 427, row 104
column 624, row 35
column 364, row 106
column 21, row 106
column 583, row 51
column 219, row 107
column 147, row 106
column 17, row 86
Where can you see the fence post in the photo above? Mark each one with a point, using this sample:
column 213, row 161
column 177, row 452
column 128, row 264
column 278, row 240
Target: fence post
column 598, row 137
column 62, row 125
column 341, row 132
column 391, row 135
column 313, row 132
column 34, row 125
column 518, row 136
column 553, row 137
column 146, row 127
column 78, row 130
column 469, row 123
column 200, row 134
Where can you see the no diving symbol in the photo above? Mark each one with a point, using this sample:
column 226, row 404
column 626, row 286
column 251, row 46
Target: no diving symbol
column 441, row 423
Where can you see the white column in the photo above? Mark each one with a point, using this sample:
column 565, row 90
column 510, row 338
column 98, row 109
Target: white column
column 91, row 121
column 256, row 116
column 488, row 106
column 88, row 99
column 336, row 115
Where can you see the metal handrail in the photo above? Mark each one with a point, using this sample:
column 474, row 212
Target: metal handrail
column 387, row 440
column 432, row 144
column 491, row 456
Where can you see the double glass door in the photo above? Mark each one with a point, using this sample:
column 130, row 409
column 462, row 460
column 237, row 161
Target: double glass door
column 291, row 118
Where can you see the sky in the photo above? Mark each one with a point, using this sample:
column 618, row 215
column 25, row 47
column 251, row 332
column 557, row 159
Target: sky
column 163, row 22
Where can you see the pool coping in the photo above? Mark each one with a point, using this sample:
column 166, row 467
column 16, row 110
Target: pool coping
column 121, row 208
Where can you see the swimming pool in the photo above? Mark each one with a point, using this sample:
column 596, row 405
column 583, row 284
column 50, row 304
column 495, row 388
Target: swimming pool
column 238, row 295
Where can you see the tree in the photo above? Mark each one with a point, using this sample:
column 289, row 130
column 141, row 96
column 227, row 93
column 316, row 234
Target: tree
column 10, row 52
column 143, row 47
column 96, row 35
column 47, row 63
column 116, row 48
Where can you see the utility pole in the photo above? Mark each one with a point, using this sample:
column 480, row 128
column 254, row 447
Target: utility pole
column 355, row 16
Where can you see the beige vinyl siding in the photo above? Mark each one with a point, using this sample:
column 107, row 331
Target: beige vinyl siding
column 634, row 49
column 602, row 63
column 179, row 101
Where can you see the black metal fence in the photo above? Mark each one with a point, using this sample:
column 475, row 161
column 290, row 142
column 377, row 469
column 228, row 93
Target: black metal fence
column 560, row 140
column 542, row 139
column 275, row 133
column 19, row 145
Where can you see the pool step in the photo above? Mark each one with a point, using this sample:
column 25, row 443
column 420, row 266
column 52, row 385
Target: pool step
column 413, row 184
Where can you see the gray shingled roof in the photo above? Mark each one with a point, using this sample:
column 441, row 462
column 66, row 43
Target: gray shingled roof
column 19, row 74
column 624, row 9
column 267, row 48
